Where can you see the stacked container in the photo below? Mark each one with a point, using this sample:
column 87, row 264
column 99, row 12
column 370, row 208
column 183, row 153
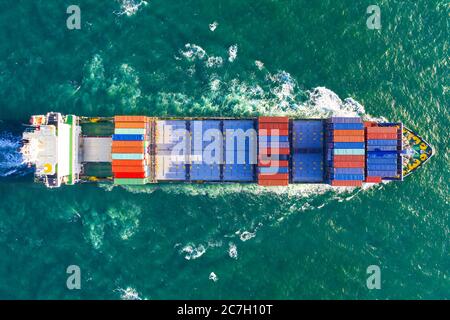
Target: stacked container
column 130, row 162
column 273, row 151
column 382, row 154
column 345, row 151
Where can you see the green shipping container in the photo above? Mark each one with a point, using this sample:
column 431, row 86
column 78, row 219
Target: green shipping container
column 129, row 131
column 124, row 181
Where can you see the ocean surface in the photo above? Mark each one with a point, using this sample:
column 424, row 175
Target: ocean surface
column 225, row 58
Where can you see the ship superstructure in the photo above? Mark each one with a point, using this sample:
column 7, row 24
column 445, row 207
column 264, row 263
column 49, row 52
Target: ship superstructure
column 270, row 151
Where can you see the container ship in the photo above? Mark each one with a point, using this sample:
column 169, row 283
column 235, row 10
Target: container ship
column 269, row 151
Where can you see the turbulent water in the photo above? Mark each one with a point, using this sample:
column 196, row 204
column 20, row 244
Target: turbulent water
column 225, row 58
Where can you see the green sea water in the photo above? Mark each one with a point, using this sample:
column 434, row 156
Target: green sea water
column 294, row 57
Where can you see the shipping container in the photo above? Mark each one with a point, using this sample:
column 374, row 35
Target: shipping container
column 273, row 183
column 348, row 139
column 337, row 133
column 128, row 181
column 273, row 163
column 348, row 170
column 131, row 125
column 347, row 126
column 274, row 119
column 128, row 144
column 128, row 150
column 346, row 183
column 130, row 119
column 381, row 167
column 392, row 142
column 382, row 130
column 128, row 137
column 382, row 155
column 129, row 131
column 273, row 144
column 338, row 176
column 349, row 151
column 381, row 148
column 128, row 163
column 132, row 175
column 127, row 156
column 339, row 158
column 373, row 179
column 116, row 168
column 392, row 161
column 381, row 136
column 345, row 120
column 274, row 151
column 273, row 132
column 279, row 176
column 270, row 138
column 350, row 164
column 273, row 170
column 383, row 174
column 349, row 145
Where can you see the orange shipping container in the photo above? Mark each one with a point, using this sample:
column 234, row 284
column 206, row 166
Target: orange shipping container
column 273, row 151
column 130, row 125
column 381, row 136
column 127, row 150
column 130, row 119
column 373, row 179
column 273, row 163
column 128, row 144
column 348, row 133
column 273, row 132
column 349, row 139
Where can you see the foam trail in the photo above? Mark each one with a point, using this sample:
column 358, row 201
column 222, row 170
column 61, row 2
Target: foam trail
column 11, row 162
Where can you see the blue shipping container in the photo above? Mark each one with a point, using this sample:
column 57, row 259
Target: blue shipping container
column 347, row 126
column 273, row 170
column 128, row 137
column 345, row 120
column 381, row 167
column 381, row 148
column 349, row 151
column 391, row 161
column 383, row 155
column 381, row 142
column 349, row 145
column 348, row 170
column 383, row 174
column 347, row 176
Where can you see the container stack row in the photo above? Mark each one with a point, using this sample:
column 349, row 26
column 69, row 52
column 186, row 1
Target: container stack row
column 273, row 151
column 130, row 141
column 382, row 153
column 345, row 151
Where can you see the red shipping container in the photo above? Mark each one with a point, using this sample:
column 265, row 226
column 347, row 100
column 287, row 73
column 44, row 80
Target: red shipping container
column 131, row 175
column 273, row 183
column 382, row 130
column 341, row 158
column 349, row 139
column 346, row 183
column 373, row 179
column 348, row 133
column 349, row 164
column 273, row 151
column 278, row 176
column 273, row 163
column 127, row 169
column 274, row 119
column 128, row 163
column 370, row 124
column 279, row 126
